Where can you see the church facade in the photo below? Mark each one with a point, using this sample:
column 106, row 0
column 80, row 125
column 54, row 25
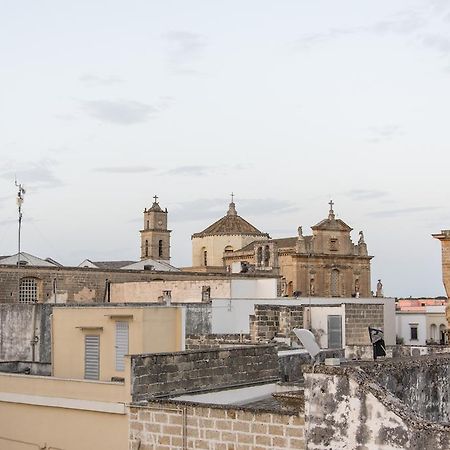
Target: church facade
column 324, row 264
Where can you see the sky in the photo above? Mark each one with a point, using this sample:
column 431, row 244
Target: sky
column 288, row 104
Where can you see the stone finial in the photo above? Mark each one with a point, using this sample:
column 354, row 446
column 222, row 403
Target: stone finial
column 361, row 238
column 379, row 292
column 232, row 209
column 300, row 232
column 331, row 215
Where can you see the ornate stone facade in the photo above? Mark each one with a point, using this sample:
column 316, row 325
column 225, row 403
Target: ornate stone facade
column 324, row 264
column 444, row 237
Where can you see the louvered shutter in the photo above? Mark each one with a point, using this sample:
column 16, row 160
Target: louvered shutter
column 121, row 344
column 91, row 357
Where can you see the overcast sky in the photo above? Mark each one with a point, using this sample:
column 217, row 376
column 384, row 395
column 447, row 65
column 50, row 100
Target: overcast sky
column 286, row 103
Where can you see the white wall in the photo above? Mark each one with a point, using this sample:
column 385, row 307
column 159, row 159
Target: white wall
column 404, row 320
column 254, row 288
column 232, row 316
column 319, row 322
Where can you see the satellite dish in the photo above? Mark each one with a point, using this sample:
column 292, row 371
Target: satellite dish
column 308, row 340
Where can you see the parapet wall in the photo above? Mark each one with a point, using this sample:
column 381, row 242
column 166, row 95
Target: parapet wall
column 348, row 407
column 169, row 374
column 420, row 383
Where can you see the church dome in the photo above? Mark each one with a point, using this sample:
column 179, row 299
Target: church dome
column 230, row 224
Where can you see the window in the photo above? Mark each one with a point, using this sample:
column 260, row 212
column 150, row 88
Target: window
column 259, row 256
column 334, row 285
column 433, row 332
column 160, row 248
column 91, row 357
column 121, row 344
column 414, row 332
column 205, row 258
column 333, row 245
column 148, row 224
column 266, row 256
column 28, row 290
column 146, row 248
column 334, row 332
column 228, row 249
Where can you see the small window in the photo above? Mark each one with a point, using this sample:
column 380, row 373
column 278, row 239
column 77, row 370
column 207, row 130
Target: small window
column 121, row 344
column 91, row 357
column 160, row 248
column 228, row 249
column 28, row 290
column 146, row 248
column 333, row 245
column 414, row 332
column 148, row 224
column 205, row 258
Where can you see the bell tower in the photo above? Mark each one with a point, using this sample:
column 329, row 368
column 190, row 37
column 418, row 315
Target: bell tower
column 155, row 237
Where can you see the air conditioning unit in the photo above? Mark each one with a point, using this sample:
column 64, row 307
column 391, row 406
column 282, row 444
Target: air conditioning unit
column 418, row 351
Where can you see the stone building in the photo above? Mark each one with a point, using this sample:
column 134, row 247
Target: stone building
column 223, row 237
column 155, row 237
column 444, row 237
column 325, row 264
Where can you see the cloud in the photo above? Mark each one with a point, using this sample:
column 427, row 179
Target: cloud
column 212, row 209
column 437, row 42
column 95, row 80
column 200, row 170
column 183, row 48
column 365, row 194
column 124, row 169
column 121, row 112
column 400, row 212
column 37, row 174
column 196, row 171
column 384, row 133
column 402, row 23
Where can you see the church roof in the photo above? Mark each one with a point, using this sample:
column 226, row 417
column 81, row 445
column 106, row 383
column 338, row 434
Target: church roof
column 230, row 224
column 331, row 223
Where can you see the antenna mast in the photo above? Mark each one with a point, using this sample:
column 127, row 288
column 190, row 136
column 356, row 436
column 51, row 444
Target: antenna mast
column 19, row 200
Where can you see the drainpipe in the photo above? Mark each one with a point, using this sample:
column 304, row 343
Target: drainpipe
column 34, row 339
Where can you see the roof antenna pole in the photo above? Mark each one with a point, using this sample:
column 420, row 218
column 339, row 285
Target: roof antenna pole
column 19, row 201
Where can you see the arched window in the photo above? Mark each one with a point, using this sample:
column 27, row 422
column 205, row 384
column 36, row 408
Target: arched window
column 148, row 224
column 28, row 290
column 228, row 249
column 433, row 332
column 334, row 284
column 259, row 256
column 146, row 249
column 204, row 256
column 442, row 334
column 266, row 256
column 160, row 248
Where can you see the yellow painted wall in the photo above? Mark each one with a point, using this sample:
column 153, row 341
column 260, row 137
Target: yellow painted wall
column 71, row 325
column 59, row 428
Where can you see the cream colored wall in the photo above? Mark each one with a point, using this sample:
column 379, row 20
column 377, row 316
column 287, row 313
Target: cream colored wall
column 155, row 338
column 215, row 246
column 60, row 428
column 321, row 242
column 181, row 291
column 71, row 325
column 64, row 388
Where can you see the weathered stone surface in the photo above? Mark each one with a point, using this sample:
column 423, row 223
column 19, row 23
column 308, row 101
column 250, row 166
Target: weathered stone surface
column 175, row 373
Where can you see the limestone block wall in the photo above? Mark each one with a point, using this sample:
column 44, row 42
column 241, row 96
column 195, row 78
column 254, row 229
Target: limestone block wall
column 163, row 374
column 171, row 427
column 16, row 332
column 196, row 342
column 358, row 317
column 421, row 383
column 269, row 321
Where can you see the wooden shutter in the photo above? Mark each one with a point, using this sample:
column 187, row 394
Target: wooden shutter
column 121, row 344
column 334, row 331
column 91, row 357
